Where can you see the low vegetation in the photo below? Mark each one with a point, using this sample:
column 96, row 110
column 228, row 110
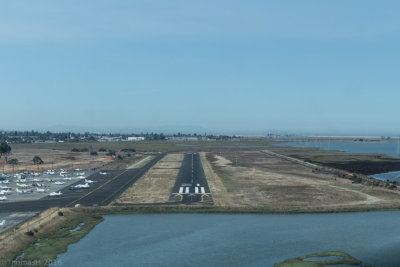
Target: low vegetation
column 84, row 149
column 45, row 245
column 340, row 258
column 366, row 164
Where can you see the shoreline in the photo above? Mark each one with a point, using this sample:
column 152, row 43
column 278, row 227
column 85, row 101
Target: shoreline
column 92, row 216
column 58, row 231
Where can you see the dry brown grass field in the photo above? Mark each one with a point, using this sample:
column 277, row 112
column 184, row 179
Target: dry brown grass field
column 156, row 185
column 65, row 159
column 56, row 159
column 254, row 179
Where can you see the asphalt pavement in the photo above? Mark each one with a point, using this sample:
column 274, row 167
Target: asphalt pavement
column 102, row 192
column 191, row 184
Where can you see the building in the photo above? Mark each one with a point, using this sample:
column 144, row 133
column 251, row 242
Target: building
column 136, row 138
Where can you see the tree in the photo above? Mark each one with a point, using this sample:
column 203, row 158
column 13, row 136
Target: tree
column 37, row 161
column 5, row 150
column 13, row 162
column 110, row 153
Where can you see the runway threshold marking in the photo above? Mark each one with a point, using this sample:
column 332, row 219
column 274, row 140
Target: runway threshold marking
column 91, row 192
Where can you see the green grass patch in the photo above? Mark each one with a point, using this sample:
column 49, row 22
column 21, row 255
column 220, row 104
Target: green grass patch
column 46, row 246
column 339, row 257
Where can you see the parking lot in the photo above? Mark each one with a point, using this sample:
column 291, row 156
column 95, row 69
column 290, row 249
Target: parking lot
column 103, row 187
column 34, row 185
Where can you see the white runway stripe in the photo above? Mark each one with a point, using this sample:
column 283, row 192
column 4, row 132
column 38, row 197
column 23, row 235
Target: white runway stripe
column 202, row 190
column 181, row 190
column 196, row 190
column 187, row 190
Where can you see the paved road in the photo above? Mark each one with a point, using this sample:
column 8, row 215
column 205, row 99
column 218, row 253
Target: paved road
column 191, row 184
column 102, row 192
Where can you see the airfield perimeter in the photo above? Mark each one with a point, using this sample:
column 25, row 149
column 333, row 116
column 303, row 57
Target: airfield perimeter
column 236, row 174
column 200, row 177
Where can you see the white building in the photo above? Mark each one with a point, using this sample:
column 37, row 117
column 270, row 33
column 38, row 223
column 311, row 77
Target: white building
column 136, row 138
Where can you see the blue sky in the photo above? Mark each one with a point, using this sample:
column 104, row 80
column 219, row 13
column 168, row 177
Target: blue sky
column 311, row 67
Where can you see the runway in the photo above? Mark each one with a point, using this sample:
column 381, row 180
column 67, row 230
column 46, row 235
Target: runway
column 191, row 184
column 105, row 189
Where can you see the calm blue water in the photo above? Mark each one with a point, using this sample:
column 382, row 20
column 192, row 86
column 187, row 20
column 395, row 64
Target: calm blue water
column 235, row 240
column 391, row 176
column 386, row 148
